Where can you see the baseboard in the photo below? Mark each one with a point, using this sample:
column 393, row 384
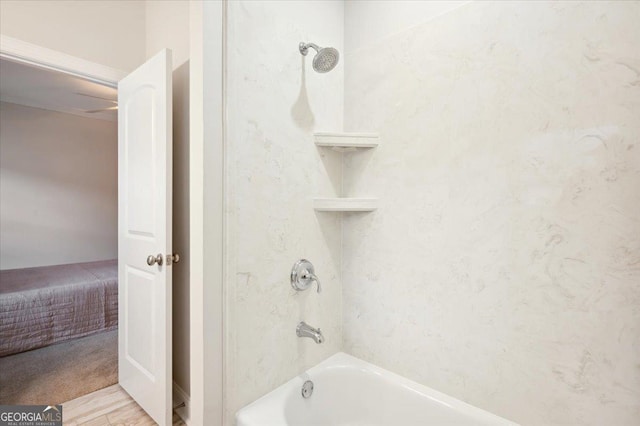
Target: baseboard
column 179, row 397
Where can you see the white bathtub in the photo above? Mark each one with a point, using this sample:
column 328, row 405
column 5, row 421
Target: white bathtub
column 350, row 392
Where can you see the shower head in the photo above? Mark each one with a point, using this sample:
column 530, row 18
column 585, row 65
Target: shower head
column 326, row 58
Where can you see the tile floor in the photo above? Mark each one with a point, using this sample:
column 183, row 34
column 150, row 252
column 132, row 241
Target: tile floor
column 110, row 406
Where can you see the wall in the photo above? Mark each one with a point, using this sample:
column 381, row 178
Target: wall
column 110, row 33
column 208, row 239
column 167, row 26
column 502, row 266
column 390, row 17
column 58, row 188
column 273, row 170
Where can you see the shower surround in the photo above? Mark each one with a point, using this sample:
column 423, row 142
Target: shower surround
column 273, row 170
column 503, row 264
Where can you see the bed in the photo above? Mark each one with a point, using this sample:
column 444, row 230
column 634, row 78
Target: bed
column 50, row 304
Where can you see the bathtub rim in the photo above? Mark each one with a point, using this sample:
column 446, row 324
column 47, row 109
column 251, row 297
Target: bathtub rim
column 344, row 360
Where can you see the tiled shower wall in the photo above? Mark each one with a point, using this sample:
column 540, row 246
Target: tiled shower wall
column 503, row 265
column 275, row 102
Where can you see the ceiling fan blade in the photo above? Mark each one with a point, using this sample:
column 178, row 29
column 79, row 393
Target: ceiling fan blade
column 93, row 111
column 96, row 97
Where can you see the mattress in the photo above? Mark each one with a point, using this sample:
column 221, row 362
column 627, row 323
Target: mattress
column 50, row 304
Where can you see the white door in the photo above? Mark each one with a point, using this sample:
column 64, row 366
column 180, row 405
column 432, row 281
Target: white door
column 144, row 230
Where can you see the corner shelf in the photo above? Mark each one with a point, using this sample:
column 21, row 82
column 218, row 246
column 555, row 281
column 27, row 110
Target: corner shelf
column 345, row 204
column 346, row 141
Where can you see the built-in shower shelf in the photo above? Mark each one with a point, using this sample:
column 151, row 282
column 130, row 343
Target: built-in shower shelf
column 341, row 141
column 346, row 141
column 345, row 204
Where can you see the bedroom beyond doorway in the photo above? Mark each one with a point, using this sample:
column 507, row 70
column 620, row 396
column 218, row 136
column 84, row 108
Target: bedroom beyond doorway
column 58, row 235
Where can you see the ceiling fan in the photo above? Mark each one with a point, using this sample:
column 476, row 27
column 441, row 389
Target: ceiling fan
column 93, row 111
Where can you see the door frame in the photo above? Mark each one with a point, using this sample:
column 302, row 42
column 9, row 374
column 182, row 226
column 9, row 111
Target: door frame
column 205, row 399
column 207, row 98
column 23, row 52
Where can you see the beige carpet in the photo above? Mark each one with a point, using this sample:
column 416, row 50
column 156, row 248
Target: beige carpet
column 60, row 372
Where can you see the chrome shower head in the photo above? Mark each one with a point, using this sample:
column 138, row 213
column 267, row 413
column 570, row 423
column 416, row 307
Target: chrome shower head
column 326, row 58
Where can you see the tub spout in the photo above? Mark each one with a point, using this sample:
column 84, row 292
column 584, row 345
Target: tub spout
column 305, row 330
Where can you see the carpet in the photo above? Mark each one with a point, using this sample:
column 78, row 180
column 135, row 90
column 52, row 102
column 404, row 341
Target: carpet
column 60, row 372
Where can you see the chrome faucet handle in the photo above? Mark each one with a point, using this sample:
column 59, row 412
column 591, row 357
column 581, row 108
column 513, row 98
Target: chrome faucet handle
column 303, row 275
column 306, row 275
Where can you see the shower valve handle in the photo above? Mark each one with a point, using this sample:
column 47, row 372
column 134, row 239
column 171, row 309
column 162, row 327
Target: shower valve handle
column 306, row 275
column 303, row 275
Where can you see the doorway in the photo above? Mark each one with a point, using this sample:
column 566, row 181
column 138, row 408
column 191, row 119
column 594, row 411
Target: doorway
column 58, row 234
column 19, row 51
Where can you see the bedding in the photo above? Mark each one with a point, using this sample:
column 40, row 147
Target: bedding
column 50, row 304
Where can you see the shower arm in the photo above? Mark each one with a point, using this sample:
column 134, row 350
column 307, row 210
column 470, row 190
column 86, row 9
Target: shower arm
column 304, row 47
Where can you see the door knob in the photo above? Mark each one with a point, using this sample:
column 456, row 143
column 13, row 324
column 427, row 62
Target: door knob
column 173, row 258
column 152, row 260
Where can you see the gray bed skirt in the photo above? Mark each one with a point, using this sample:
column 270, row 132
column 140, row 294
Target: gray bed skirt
column 50, row 304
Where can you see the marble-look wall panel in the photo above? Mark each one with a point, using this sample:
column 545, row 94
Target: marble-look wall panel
column 274, row 102
column 503, row 265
